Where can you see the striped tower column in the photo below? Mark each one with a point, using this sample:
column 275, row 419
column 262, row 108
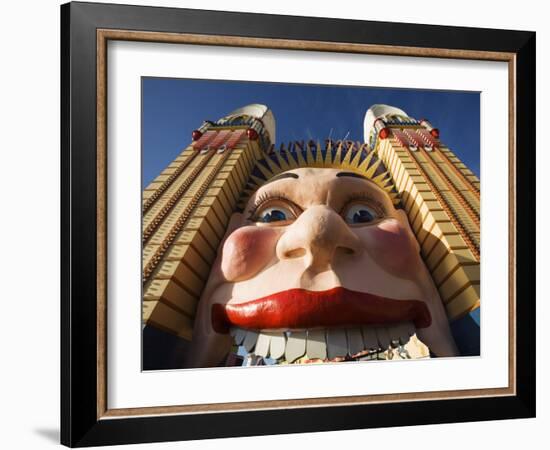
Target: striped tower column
column 441, row 198
column 186, row 210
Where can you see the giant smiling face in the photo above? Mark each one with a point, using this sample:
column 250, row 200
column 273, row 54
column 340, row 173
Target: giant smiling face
column 318, row 255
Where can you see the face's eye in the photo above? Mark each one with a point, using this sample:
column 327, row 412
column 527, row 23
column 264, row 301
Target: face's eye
column 360, row 213
column 274, row 213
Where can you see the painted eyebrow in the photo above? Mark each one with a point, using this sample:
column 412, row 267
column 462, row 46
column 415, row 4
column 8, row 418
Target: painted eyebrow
column 350, row 174
column 282, row 176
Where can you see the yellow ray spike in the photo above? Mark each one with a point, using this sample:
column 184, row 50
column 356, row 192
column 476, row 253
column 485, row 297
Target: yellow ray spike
column 365, row 164
column 309, row 156
column 275, row 168
column 355, row 161
column 266, row 172
column 379, row 179
column 372, row 169
column 347, row 158
column 338, row 157
column 301, row 161
column 292, row 163
column 257, row 180
column 319, row 156
column 282, row 163
column 395, row 198
column 328, row 157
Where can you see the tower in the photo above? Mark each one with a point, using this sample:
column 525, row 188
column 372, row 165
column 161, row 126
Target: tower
column 186, row 210
column 441, row 197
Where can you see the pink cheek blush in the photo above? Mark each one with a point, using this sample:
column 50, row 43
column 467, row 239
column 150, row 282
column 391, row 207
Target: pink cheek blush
column 390, row 244
column 247, row 251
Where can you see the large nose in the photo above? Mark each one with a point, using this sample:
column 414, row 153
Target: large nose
column 318, row 236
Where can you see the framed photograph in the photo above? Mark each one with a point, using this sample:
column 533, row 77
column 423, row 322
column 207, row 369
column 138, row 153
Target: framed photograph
column 278, row 224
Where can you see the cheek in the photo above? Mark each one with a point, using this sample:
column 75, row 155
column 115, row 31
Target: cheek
column 391, row 246
column 247, row 251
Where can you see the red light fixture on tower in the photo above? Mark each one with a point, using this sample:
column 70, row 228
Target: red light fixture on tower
column 196, row 135
column 384, row 133
column 381, row 128
column 433, row 131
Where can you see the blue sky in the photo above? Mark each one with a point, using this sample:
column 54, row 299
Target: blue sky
column 173, row 108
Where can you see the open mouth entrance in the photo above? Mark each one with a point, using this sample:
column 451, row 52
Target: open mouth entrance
column 333, row 325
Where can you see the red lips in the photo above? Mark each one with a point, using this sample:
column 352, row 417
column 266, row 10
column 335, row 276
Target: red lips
column 299, row 308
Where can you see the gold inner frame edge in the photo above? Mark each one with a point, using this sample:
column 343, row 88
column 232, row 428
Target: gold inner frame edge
column 103, row 36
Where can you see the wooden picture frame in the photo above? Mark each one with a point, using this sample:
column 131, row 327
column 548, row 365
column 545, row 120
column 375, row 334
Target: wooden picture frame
column 85, row 416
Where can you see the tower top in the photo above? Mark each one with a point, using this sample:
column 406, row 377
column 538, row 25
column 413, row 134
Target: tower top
column 258, row 111
column 379, row 112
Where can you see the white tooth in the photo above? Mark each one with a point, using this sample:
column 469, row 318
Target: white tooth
column 262, row 345
column 239, row 335
column 355, row 341
column 316, row 344
column 416, row 348
column 383, row 337
column 277, row 345
column 370, row 340
column 295, row 346
column 337, row 344
column 250, row 340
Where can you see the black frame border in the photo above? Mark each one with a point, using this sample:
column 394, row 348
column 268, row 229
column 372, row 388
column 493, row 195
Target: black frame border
column 79, row 423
